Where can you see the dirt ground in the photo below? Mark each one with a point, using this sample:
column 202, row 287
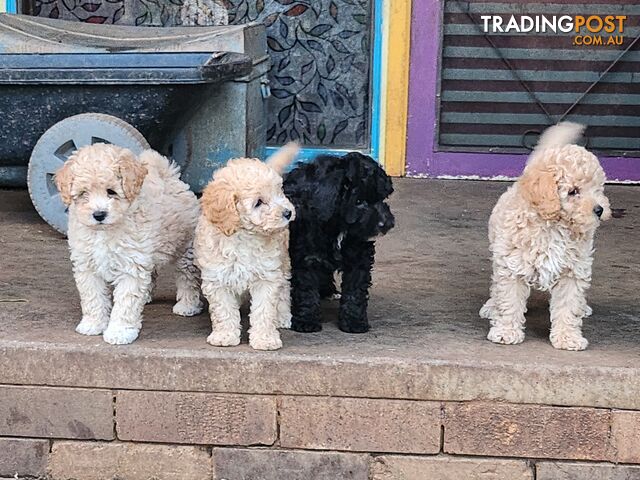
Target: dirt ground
column 431, row 277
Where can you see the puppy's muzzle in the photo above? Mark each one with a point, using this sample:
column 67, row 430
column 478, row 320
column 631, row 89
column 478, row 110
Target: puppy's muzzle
column 598, row 210
column 99, row 215
column 387, row 225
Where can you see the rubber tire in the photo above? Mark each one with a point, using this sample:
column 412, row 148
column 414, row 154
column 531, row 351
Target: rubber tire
column 54, row 147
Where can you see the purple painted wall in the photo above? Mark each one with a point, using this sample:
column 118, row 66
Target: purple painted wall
column 423, row 159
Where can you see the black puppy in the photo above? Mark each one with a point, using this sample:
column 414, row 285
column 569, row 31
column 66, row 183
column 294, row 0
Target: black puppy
column 340, row 209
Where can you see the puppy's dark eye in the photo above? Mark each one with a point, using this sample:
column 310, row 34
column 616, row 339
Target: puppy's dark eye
column 111, row 193
column 258, row 203
column 574, row 191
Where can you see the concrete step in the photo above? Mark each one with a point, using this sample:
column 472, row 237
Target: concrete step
column 422, row 394
column 427, row 341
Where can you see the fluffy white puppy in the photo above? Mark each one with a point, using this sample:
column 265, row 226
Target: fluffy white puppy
column 541, row 233
column 242, row 247
column 127, row 217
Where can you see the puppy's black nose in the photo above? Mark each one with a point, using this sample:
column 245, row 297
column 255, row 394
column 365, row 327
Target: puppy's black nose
column 100, row 215
column 287, row 214
column 598, row 210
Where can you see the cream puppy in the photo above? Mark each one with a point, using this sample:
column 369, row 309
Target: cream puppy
column 242, row 247
column 541, row 234
column 127, row 217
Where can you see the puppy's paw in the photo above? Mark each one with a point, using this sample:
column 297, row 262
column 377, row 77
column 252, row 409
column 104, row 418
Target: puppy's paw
column 505, row 336
column 487, row 310
column 569, row 341
column 284, row 321
column 91, row 326
column 354, row 327
column 188, row 308
column 224, row 338
column 265, row 341
column 305, row 327
column 120, row 334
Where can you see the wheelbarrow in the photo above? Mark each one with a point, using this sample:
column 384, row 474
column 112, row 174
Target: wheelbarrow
column 199, row 108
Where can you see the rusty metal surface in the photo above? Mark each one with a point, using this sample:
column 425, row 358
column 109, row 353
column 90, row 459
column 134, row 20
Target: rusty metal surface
column 199, row 126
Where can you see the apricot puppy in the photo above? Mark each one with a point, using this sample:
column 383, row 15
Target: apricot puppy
column 241, row 246
column 128, row 216
column 541, row 233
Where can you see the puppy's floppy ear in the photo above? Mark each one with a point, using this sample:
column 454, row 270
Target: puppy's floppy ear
column 538, row 186
column 132, row 173
column 63, row 179
column 326, row 195
column 384, row 184
column 219, row 206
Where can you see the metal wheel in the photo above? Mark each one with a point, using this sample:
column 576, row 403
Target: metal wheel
column 58, row 143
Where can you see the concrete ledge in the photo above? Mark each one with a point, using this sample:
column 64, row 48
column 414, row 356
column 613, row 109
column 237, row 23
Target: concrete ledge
column 93, row 365
column 427, row 341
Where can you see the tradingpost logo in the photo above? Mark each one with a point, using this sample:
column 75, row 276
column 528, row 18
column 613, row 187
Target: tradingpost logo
column 591, row 30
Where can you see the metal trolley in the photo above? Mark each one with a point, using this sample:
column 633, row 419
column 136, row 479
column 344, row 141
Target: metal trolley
column 195, row 94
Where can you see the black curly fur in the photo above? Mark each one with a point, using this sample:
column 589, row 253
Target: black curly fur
column 334, row 196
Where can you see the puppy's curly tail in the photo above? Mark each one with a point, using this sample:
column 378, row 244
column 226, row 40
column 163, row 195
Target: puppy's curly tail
column 161, row 164
column 283, row 157
column 564, row 133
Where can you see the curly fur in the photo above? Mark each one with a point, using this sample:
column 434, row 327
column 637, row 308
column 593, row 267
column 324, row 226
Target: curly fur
column 127, row 217
column 541, row 234
column 341, row 209
column 241, row 246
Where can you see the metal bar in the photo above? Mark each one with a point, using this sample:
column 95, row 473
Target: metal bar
column 376, row 131
column 521, row 97
column 539, row 75
column 551, row 7
column 466, row 29
column 534, row 118
column 536, row 54
column 121, row 77
column 625, row 143
column 98, row 61
column 13, row 177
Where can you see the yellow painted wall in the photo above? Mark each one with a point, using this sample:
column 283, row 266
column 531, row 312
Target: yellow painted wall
column 396, row 86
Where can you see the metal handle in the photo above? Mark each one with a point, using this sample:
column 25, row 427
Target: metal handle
column 265, row 88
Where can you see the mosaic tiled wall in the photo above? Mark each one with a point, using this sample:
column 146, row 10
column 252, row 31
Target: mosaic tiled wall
column 320, row 51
